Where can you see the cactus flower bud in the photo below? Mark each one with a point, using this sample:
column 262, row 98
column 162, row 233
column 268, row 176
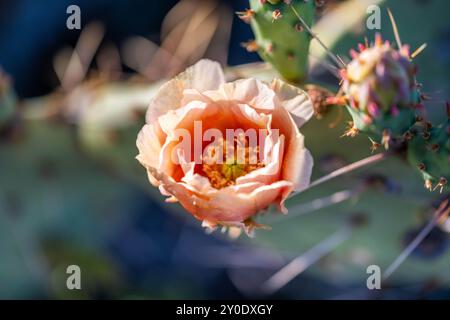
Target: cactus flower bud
column 380, row 89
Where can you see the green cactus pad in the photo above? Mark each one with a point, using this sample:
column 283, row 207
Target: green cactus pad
column 429, row 152
column 283, row 42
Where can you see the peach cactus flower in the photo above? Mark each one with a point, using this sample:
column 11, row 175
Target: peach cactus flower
column 225, row 193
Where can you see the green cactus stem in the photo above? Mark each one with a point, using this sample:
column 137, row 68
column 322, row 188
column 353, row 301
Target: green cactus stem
column 280, row 38
column 429, row 152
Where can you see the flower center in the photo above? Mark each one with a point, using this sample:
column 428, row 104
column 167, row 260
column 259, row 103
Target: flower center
column 236, row 160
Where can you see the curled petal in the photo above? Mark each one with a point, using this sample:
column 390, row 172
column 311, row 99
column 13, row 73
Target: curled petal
column 149, row 143
column 294, row 100
column 251, row 91
column 204, row 75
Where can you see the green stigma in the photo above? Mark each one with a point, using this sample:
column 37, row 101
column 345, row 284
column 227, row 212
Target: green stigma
column 232, row 171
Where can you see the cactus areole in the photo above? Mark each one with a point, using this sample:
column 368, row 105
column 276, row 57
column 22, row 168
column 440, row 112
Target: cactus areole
column 281, row 40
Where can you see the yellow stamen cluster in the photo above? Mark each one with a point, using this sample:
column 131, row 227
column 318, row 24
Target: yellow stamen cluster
column 224, row 173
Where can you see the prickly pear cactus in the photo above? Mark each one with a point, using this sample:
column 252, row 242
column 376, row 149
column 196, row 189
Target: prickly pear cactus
column 280, row 37
column 380, row 91
column 429, row 151
column 394, row 204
